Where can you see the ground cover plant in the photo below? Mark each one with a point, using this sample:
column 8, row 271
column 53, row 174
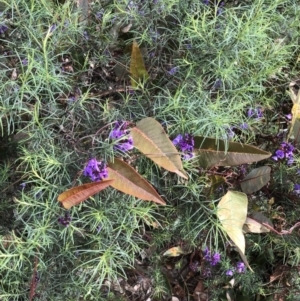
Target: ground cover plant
column 149, row 150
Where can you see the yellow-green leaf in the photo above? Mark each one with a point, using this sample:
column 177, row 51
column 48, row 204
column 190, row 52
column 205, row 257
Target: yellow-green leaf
column 216, row 181
column 253, row 226
column 174, row 252
column 127, row 180
column 137, row 67
column 150, row 138
column 295, row 123
column 232, row 213
column 80, row 193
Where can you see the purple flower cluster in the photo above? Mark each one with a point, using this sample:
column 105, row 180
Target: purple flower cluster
column 95, row 170
column 285, row 152
column 212, row 259
column 239, row 268
column 255, row 113
column 65, row 220
column 185, row 143
column 119, row 133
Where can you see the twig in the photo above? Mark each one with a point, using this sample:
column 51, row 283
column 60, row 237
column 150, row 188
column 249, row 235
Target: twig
column 283, row 232
column 33, row 282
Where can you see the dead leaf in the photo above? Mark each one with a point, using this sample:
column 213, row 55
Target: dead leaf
column 14, row 74
column 137, row 67
column 256, row 179
column 127, row 180
column 295, row 123
column 253, row 226
column 150, row 138
column 232, row 213
column 174, row 252
column 78, row 194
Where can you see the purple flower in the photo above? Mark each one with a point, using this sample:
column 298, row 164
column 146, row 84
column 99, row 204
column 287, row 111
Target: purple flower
column 229, row 133
column 85, row 35
column 289, row 116
column 124, row 142
column 125, row 145
column 285, row 152
column 297, row 189
column 194, row 266
column 65, row 220
column 99, row 228
column 290, row 161
column 279, row 154
column 95, row 170
column 24, row 62
column 52, row 27
column 206, row 272
column 185, row 143
column 207, row 254
column 212, row 259
column 218, row 84
column 240, row 267
column 99, row 14
column 216, row 258
column 173, row 70
column 259, row 113
column 229, row 272
column 244, row 126
column 23, row 185
column 3, row 28
column 255, row 113
column 288, row 148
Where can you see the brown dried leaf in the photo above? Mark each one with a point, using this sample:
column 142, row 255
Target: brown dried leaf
column 127, row 180
column 78, row 194
column 150, row 138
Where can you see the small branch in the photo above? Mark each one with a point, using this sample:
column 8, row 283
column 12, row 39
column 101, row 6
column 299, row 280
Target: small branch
column 33, row 282
column 283, row 232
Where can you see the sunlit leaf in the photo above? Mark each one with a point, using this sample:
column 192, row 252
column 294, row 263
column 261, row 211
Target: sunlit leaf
column 127, row 180
column 253, row 226
column 232, row 213
column 256, row 179
column 80, row 193
column 150, row 138
column 174, row 252
column 137, row 67
column 216, row 152
column 295, row 123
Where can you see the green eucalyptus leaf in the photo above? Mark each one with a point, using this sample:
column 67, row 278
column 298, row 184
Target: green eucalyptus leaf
column 256, row 179
column 216, row 152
